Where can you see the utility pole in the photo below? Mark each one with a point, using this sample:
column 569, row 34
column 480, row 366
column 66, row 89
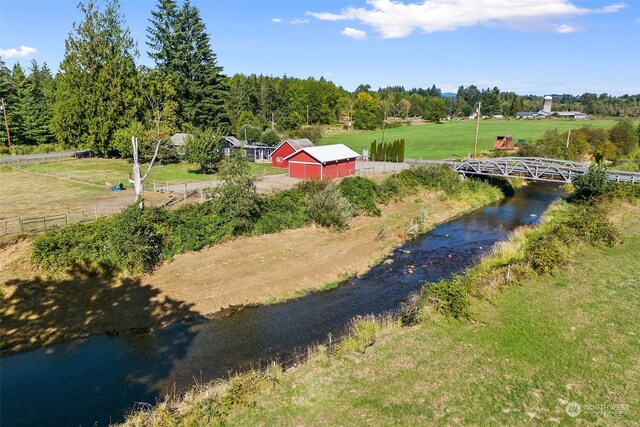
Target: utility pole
column 384, row 119
column 475, row 144
column 568, row 138
column 6, row 124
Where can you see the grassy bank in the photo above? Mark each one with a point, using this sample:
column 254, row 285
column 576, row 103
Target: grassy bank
column 440, row 141
column 532, row 349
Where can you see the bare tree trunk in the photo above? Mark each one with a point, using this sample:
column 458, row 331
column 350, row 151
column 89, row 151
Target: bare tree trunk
column 138, row 181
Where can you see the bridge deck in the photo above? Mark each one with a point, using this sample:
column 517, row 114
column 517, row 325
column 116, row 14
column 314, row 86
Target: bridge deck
column 534, row 168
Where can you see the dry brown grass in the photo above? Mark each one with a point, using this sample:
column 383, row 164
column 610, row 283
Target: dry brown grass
column 25, row 194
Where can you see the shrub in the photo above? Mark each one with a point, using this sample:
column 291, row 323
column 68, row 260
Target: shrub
column 328, row 208
column 433, row 177
column 591, row 184
column 189, row 228
column 281, row 211
column 546, row 254
column 590, row 224
column 310, row 187
column 450, row 297
column 235, row 201
column 362, row 193
column 124, row 243
column 623, row 191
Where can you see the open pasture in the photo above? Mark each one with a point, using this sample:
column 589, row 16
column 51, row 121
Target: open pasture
column 455, row 139
column 99, row 171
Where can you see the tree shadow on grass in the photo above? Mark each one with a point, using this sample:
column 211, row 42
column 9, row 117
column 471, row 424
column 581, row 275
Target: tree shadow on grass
column 43, row 311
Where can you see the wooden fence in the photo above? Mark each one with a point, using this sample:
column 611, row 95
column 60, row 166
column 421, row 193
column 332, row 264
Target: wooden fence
column 37, row 224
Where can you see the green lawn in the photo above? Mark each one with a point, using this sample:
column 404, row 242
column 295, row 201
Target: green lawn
column 98, row 171
column 573, row 337
column 440, row 141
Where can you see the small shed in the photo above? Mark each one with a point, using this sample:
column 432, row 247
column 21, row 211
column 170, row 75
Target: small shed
column 255, row 152
column 503, row 143
column 324, row 162
column 286, row 148
column 179, row 140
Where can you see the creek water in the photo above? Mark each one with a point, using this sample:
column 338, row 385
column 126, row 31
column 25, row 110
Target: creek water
column 97, row 380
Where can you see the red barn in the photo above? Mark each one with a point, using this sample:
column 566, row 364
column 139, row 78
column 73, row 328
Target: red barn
column 324, row 162
column 287, row 148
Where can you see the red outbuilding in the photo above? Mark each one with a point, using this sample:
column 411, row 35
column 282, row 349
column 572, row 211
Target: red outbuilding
column 324, row 162
column 287, row 148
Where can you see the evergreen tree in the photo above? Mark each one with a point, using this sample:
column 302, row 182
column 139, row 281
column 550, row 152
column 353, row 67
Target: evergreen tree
column 373, row 150
column 36, row 105
column 16, row 108
column 161, row 36
column 98, row 87
column 8, row 92
column 181, row 48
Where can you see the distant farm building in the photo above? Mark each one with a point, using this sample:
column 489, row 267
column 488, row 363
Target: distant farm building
column 287, row 148
column 577, row 115
column 255, row 152
column 179, row 140
column 503, row 143
column 324, row 162
column 546, row 112
column 546, row 105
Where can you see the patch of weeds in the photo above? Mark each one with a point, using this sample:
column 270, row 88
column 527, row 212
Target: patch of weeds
column 363, row 332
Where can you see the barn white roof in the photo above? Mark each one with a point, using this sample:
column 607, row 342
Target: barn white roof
column 328, row 153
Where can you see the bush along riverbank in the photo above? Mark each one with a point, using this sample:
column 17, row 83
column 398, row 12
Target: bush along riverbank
column 550, row 317
column 136, row 241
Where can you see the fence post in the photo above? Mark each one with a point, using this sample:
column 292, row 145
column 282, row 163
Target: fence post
column 68, row 218
column 96, row 211
column 60, row 156
column 185, row 191
column 21, row 225
column 43, row 158
column 155, row 187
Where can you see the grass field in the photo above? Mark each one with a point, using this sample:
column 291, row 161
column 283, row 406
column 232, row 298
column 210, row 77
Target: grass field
column 98, row 171
column 25, row 194
column 573, row 337
column 441, row 141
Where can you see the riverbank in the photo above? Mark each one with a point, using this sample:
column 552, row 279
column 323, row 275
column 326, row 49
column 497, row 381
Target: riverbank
column 555, row 339
column 37, row 310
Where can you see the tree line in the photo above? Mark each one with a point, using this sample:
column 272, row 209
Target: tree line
column 100, row 96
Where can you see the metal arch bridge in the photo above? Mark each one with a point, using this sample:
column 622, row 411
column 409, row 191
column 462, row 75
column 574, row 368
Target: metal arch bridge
column 535, row 168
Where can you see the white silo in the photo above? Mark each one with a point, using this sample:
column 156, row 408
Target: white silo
column 546, row 106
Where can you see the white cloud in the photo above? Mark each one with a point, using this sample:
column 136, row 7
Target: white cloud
column 299, row 21
column 276, row 20
column 22, row 52
column 396, row 19
column 354, row 34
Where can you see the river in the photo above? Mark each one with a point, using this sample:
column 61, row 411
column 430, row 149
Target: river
column 97, row 380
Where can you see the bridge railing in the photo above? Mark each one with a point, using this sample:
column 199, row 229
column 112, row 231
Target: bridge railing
column 534, row 168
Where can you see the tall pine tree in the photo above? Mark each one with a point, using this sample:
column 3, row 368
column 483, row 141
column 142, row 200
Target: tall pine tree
column 9, row 93
column 36, row 105
column 181, row 48
column 98, row 85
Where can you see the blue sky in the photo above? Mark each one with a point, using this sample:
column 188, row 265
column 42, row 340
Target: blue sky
column 527, row 46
